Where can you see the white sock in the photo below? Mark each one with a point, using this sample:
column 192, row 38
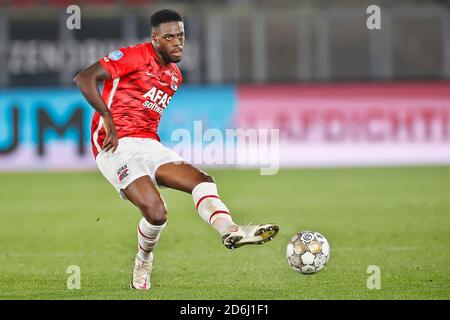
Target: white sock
column 211, row 208
column 148, row 236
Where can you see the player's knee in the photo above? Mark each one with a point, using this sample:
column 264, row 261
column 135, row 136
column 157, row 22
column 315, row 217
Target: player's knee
column 154, row 213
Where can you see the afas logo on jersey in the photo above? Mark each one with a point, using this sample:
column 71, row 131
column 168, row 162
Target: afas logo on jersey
column 115, row 55
column 158, row 100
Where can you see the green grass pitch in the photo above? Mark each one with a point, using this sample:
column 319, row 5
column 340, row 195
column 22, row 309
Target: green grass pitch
column 395, row 218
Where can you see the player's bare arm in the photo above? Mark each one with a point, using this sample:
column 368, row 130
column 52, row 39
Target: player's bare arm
column 87, row 81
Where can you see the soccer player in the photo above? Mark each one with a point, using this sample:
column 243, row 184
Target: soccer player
column 138, row 84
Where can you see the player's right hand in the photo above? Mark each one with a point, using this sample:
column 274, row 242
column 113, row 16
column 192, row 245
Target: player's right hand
column 111, row 141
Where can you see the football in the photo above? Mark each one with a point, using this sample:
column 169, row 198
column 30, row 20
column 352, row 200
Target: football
column 308, row 252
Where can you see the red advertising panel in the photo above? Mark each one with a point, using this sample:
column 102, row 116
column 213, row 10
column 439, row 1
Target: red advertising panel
column 352, row 124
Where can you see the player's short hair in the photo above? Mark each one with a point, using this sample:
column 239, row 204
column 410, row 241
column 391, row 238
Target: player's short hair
column 163, row 16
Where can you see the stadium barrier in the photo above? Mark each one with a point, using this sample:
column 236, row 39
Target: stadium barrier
column 294, row 125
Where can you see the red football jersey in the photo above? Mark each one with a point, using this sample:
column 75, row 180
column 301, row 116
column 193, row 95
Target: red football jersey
column 137, row 94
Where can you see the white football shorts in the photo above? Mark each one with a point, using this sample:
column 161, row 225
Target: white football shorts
column 134, row 158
